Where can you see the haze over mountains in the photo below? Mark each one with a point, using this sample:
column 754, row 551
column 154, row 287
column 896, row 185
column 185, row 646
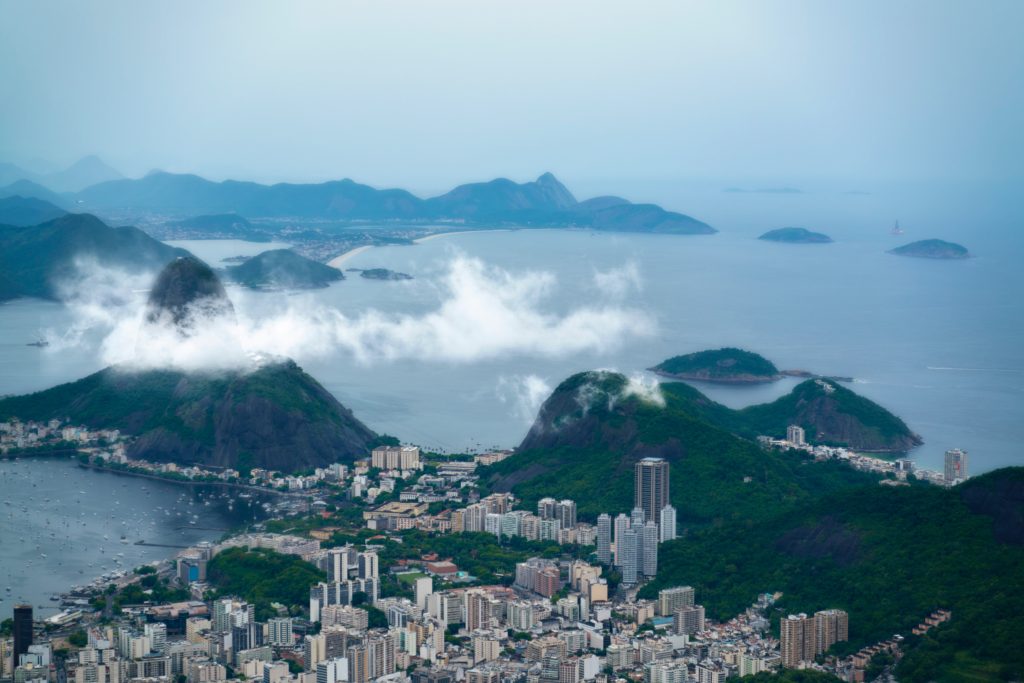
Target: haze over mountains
column 92, row 186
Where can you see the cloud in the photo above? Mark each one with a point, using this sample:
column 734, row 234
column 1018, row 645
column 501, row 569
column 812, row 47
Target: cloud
column 484, row 312
column 525, row 393
column 616, row 283
column 645, row 387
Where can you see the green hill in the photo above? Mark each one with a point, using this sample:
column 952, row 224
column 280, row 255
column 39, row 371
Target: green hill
column 592, row 430
column 284, row 268
column 276, row 417
column 726, row 365
column 887, row 555
column 39, row 258
column 831, row 415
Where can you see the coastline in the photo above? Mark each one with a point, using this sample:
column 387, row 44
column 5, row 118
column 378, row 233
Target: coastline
column 438, row 235
column 337, row 261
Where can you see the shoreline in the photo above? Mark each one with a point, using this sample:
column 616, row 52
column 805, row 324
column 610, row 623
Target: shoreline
column 337, row 261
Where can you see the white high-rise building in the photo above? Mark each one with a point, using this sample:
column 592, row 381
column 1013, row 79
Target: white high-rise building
column 621, row 524
column 630, row 554
column 637, row 517
column 649, row 549
column 956, row 466
column 424, row 587
column 280, row 631
column 667, row 523
column 604, row 538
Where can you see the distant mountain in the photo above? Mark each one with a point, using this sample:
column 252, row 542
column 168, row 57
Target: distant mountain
column 933, row 249
column 11, row 173
column 223, row 225
column 795, row 236
column 275, row 417
column 38, row 259
column 543, row 202
column 727, row 366
column 22, row 211
column 31, row 190
column 80, row 175
column 283, row 268
column 502, row 197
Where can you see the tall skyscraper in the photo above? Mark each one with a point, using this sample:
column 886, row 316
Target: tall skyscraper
column 630, row 544
column 651, row 486
column 621, row 524
column 604, row 538
column 667, row 523
column 649, row 549
column 22, row 632
column 956, row 466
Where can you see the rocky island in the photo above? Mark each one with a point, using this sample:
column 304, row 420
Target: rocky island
column 283, row 268
column 381, row 274
column 933, row 249
column 726, row 366
column 795, row 236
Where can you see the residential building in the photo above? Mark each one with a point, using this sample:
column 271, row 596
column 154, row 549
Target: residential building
column 651, row 492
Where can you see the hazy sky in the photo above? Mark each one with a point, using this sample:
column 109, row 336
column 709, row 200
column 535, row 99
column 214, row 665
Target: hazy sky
column 426, row 94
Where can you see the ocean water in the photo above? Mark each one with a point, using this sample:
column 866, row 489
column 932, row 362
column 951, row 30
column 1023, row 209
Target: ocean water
column 62, row 525
column 936, row 342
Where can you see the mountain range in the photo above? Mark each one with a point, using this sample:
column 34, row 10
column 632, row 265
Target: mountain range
column 542, row 202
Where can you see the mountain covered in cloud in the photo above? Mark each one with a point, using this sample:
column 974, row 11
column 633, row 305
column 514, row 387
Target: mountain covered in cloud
column 542, row 202
column 265, row 413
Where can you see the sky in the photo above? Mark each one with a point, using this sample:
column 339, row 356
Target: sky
column 425, row 95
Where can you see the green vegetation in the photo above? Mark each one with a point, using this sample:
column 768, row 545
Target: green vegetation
column 590, row 433
column 933, row 249
column 284, row 268
column 889, row 556
column 276, row 416
column 481, row 555
column 719, row 365
column 263, row 576
column 795, row 236
column 824, row 409
column 790, row 676
column 78, row 638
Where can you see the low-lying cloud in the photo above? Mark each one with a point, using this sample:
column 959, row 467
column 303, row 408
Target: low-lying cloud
column 484, row 312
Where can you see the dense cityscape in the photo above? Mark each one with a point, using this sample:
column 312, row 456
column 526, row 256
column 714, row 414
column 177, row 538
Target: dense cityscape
column 566, row 617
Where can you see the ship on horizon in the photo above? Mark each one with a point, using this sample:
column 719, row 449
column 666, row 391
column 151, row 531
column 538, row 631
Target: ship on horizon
column 896, row 229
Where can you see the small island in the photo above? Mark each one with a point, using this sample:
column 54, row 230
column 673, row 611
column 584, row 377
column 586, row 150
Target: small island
column 380, row 274
column 726, row 366
column 933, row 249
column 283, row 268
column 795, row 236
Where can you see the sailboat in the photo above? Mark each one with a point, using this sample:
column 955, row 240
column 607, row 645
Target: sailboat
column 896, row 229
